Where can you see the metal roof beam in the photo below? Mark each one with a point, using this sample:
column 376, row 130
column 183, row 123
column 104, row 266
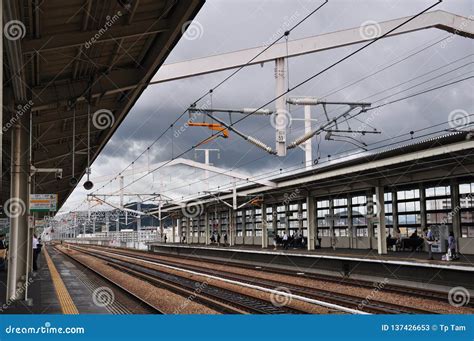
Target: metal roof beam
column 115, row 32
column 52, row 95
column 437, row 19
column 345, row 171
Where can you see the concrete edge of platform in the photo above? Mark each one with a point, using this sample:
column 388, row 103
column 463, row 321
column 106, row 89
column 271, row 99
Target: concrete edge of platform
column 66, row 302
column 293, row 254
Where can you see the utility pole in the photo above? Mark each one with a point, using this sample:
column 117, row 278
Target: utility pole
column 280, row 107
column 207, row 162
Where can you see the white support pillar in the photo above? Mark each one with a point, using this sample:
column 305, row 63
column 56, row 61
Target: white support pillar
column 139, row 218
column 19, row 200
column 106, row 222
column 381, row 231
column 180, row 229
column 219, row 222
column 308, row 151
column 232, row 227
column 311, row 218
column 352, row 229
column 280, row 107
column 188, row 230
column 264, row 227
column 456, row 217
column 207, row 227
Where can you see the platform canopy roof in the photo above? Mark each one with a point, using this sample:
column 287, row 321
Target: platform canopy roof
column 58, row 56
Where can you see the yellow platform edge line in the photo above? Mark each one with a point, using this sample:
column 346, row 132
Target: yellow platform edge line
column 67, row 304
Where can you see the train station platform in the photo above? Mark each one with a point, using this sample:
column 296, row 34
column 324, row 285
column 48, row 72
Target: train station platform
column 58, row 287
column 405, row 268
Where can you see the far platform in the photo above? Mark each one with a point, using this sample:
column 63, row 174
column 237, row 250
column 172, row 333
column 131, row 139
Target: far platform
column 413, row 268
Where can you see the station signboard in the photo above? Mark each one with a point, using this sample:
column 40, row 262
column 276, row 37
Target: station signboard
column 43, row 202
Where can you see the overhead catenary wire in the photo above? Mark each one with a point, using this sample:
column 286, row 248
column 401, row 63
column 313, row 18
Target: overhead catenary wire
column 270, row 174
column 410, row 96
column 339, row 61
column 221, row 83
column 186, row 151
column 304, row 81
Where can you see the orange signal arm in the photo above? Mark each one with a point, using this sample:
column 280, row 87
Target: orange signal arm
column 212, row 126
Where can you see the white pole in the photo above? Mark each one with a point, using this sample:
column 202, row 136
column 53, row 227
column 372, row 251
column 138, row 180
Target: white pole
column 121, row 191
column 139, row 220
column 206, row 172
column 280, row 107
column 307, row 145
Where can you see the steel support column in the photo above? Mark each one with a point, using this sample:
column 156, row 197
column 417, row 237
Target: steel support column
column 311, row 218
column 282, row 116
column 264, row 226
column 232, row 227
column 18, row 210
column 455, row 209
column 423, row 223
column 180, row 229
column 207, row 227
column 188, row 230
column 381, row 235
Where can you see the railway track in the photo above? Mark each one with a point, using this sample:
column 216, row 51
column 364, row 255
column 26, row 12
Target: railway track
column 348, row 301
column 148, row 306
column 222, row 300
column 392, row 288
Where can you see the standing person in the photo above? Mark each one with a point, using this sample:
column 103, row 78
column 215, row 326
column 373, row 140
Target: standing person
column 218, row 239
column 35, row 252
column 166, row 238
column 225, row 238
column 3, row 245
column 452, row 245
column 429, row 241
column 285, row 241
column 275, row 241
column 3, row 252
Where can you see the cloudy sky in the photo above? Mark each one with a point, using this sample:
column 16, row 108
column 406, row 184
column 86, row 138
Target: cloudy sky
column 230, row 25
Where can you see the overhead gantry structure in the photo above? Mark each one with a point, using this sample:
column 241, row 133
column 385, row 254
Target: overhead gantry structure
column 277, row 53
column 64, row 62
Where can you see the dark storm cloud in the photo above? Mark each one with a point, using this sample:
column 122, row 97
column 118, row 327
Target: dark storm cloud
column 233, row 25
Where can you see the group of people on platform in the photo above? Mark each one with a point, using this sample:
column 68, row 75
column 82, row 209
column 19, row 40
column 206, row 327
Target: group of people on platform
column 215, row 238
column 416, row 242
column 36, row 247
column 295, row 240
